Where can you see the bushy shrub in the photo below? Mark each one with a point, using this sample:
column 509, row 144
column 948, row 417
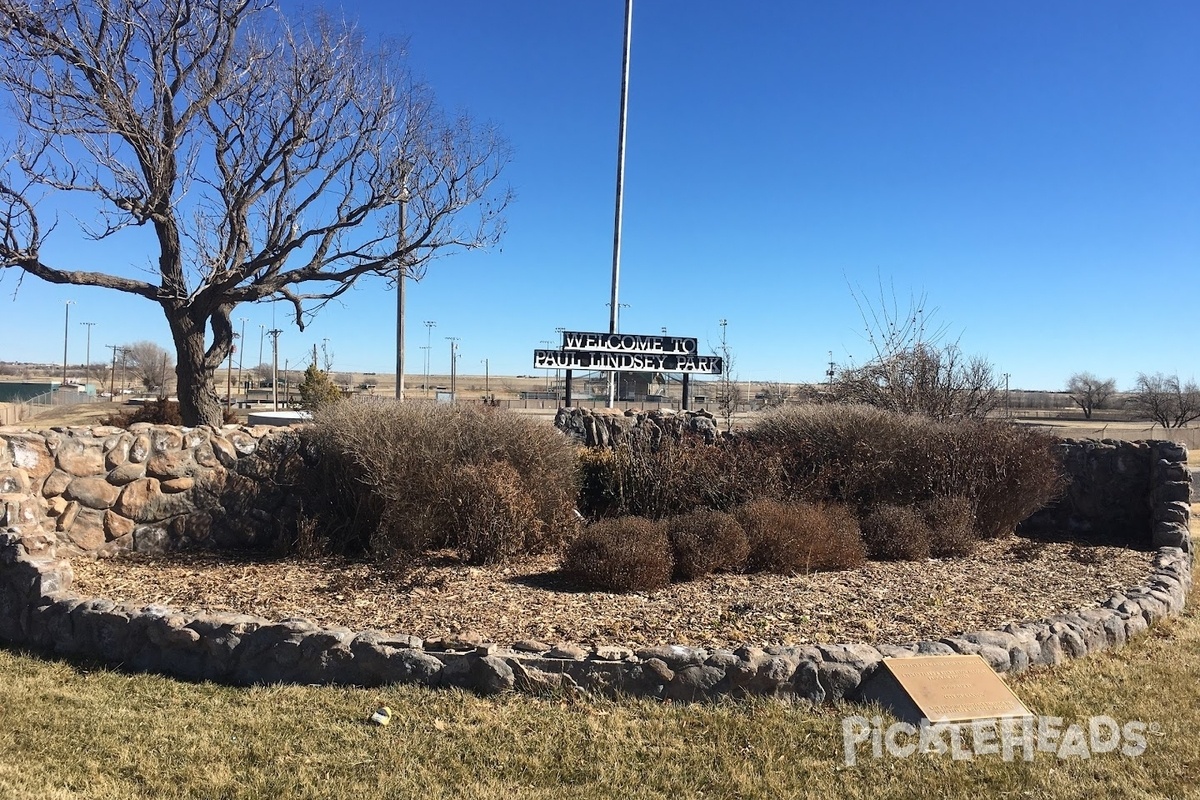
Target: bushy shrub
column 158, row 412
column 868, row 457
column 706, row 541
column 895, row 533
column 797, row 538
column 951, row 522
column 626, row 554
column 663, row 477
column 401, row 478
column 492, row 512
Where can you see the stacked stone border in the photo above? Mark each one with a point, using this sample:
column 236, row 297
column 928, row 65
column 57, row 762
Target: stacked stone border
column 38, row 610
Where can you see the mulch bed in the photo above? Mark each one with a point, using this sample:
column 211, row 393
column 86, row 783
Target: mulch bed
column 1007, row 579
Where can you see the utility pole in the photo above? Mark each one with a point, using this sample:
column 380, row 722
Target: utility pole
column 275, row 368
column 1007, row 410
column 560, row 332
column 112, row 385
column 829, row 372
column 87, row 360
column 546, row 344
column 262, row 332
column 487, row 381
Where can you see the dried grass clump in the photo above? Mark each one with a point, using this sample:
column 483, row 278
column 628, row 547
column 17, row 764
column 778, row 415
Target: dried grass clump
column 628, row 554
column 399, row 479
column 896, row 533
column 798, row 538
column 158, row 412
column 707, row 541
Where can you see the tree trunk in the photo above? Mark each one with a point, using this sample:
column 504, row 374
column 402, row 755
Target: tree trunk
column 195, row 370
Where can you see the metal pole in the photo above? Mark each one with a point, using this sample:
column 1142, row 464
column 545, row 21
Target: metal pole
column 614, row 304
column 400, row 279
column 66, row 328
column 275, row 369
column 87, row 360
column 112, row 386
column 429, row 326
column 242, row 353
column 453, row 368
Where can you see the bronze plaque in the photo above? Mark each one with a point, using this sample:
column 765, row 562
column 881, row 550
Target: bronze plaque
column 955, row 688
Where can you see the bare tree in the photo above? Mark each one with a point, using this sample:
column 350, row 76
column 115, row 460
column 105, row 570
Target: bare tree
column 912, row 371
column 1165, row 400
column 151, row 364
column 1089, row 392
column 775, row 394
column 269, row 160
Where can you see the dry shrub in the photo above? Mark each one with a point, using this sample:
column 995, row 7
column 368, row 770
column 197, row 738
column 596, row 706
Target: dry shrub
column 492, row 512
column 896, row 533
column 707, row 541
column 158, row 412
column 951, row 522
column 397, row 479
column 795, row 538
column 627, row 554
column 869, row 457
column 662, row 477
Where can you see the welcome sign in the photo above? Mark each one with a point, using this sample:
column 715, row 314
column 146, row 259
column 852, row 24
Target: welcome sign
column 628, row 352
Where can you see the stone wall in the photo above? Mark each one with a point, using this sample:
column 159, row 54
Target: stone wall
column 1135, row 492
column 37, row 610
column 152, row 487
column 237, row 475
column 604, row 428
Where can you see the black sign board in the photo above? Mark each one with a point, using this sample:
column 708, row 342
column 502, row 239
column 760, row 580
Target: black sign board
column 637, row 361
column 629, row 343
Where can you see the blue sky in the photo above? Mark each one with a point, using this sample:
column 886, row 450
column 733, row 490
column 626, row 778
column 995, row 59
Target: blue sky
column 1033, row 169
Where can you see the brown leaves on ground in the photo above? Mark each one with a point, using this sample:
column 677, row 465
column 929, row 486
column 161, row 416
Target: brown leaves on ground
column 1004, row 580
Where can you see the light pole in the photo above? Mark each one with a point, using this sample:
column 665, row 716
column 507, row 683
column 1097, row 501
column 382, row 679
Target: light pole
column 1007, row 409
column 66, row 328
column 453, row 368
column 487, row 380
column 262, row 332
column 546, row 344
column 401, row 274
column 614, row 305
column 560, row 332
column 429, row 326
column 87, row 360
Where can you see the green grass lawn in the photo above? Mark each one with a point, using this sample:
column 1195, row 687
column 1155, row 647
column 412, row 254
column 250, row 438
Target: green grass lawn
column 72, row 731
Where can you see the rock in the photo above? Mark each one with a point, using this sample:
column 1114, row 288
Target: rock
column 530, row 646
column 30, row 452
column 92, row 492
column 56, row 483
column 87, row 530
column 611, row 653
column 568, row 651
column 79, row 458
column 169, row 464
column 173, row 485
column 127, row 473
column 116, row 526
column 13, row 481
column 675, row 656
column 116, row 450
column 693, row 683
column 486, row 675
column 658, row 669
